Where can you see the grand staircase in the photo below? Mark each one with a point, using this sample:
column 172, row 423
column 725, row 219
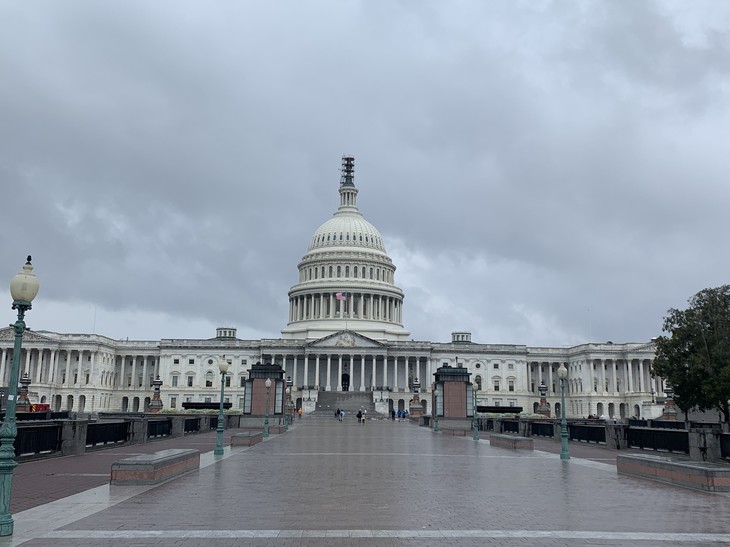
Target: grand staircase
column 349, row 401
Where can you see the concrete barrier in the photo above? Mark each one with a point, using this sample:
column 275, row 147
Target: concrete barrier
column 513, row 442
column 155, row 467
column 247, row 438
column 706, row 476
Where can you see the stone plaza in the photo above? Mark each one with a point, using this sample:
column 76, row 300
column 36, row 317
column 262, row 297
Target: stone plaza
column 385, row 482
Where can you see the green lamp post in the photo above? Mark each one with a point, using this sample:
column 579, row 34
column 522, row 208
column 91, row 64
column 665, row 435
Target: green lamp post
column 266, row 410
column 475, row 422
column 564, row 454
column 23, row 289
column 223, row 367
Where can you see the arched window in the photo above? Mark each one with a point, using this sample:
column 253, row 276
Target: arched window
column 347, row 271
column 339, row 271
column 330, row 271
column 478, row 382
column 209, row 379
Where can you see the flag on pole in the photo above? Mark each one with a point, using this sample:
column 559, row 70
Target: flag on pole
column 341, row 296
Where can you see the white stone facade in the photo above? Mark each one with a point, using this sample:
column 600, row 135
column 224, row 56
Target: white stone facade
column 344, row 331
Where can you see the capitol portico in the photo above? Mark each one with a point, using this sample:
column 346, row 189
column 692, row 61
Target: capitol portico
column 344, row 333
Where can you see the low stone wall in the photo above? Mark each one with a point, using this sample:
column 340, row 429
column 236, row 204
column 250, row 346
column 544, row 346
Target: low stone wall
column 710, row 477
column 154, row 468
column 513, row 442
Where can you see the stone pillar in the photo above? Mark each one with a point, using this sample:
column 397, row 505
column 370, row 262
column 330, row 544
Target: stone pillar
column 395, row 373
column 339, row 373
column 316, row 372
column 362, row 373
column 305, row 382
column 328, row 385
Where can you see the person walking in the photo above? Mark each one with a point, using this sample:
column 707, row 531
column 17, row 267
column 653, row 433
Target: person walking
column 359, row 416
column 392, row 414
column 342, row 414
column 300, row 413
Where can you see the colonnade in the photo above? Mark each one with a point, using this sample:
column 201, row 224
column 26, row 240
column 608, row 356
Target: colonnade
column 358, row 305
column 355, row 371
column 605, row 376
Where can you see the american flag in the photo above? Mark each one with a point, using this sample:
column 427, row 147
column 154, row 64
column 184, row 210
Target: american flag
column 341, row 296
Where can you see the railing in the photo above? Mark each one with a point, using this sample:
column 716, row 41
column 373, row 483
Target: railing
column 587, row 433
column 159, row 428
column 107, row 433
column 542, row 429
column 666, row 424
column 192, row 425
column 214, row 422
column 667, row 440
column 34, row 440
column 510, row 426
column 37, row 416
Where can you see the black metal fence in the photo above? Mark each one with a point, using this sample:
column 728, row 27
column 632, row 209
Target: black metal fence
column 37, row 440
column 192, row 425
column 213, row 422
column 159, row 428
column 510, row 426
column 667, row 440
column 725, row 445
column 587, row 433
column 542, row 429
column 103, row 433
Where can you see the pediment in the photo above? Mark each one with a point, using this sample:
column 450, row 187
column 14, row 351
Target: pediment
column 8, row 334
column 346, row 339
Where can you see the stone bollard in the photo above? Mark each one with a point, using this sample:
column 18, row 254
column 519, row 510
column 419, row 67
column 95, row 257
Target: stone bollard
column 73, row 437
column 704, row 445
column 616, row 436
column 178, row 426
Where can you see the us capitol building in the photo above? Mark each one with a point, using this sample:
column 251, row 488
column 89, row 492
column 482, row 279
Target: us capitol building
column 344, row 333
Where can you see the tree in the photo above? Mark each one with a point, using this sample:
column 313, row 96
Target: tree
column 695, row 357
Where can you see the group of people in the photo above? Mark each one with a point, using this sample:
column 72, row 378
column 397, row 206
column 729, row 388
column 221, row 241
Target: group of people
column 400, row 414
column 340, row 414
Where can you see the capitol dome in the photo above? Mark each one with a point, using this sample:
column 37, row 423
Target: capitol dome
column 346, row 279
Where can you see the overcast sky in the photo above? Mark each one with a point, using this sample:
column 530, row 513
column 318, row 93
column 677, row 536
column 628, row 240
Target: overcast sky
column 542, row 173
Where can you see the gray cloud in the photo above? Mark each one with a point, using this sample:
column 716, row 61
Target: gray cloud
column 542, row 172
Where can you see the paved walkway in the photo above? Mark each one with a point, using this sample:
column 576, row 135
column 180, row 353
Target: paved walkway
column 342, row 483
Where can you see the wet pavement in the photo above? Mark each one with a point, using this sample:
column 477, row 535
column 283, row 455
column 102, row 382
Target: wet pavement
column 327, row 482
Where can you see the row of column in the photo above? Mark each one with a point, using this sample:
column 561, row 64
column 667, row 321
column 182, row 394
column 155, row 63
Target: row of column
column 636, row 373
column 358, row 305
column 46, row 366
column 373, row 371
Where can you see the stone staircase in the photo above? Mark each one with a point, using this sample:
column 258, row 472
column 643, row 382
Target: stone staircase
column 349, row 401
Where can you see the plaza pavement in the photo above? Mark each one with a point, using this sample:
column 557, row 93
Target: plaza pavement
column 384, row 483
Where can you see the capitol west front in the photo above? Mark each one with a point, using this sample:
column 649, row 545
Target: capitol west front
column 344, row 333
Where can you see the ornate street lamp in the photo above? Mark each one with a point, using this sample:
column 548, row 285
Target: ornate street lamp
column 563, row 374
column 23, row 289
column 266, row 411
column 475, row 424
column 223, row 367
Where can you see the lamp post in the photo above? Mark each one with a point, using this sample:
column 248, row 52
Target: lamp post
column 287, row 412
column 23, row 289
column 266, row 410
column 223, row 367
column 435, row 412
column 564, row 454
column 475, row 424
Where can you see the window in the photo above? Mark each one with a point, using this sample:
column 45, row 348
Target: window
column 174, row 381
column 511, row 366
column 173, row 400
column 209, row 379
column 496, row 366
column 498, row 402
column 191, row 361
column 190, row 381
column 208, row 400
column 76, row 378
column 210, row 361
column 228, row 381
column 176, row 361
column 496, row 385
column 510, row 385
column 243, row 361
column 87, row 377
column 242, row 381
